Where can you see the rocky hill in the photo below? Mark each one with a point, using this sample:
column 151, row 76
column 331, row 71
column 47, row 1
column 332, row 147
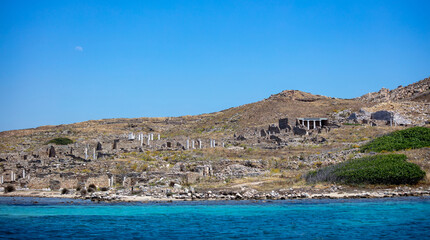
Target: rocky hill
column 418, row 92
column 261, row 146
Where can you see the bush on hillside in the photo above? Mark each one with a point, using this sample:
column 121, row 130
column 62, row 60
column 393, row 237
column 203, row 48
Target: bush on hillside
column 9, row 188
column 379, row 169
column 61, row 141
column 411, row 138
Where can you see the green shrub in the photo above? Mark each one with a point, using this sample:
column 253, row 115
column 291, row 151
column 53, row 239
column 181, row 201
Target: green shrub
column 416, row 137
column 61, row 141
column 9, row 188
column 379, row 169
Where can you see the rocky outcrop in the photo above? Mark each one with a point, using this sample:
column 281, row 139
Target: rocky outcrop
column 418, row 91
column 380, row 117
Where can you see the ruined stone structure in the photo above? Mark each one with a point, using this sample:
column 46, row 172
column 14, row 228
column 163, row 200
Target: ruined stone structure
column 312, row 123
column 283, row 123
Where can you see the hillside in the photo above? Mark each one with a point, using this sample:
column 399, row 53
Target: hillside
column 259, row 146
column 417, row 92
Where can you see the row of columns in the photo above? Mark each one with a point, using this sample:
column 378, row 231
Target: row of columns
column 193, row 146
column 131, row 136
column 86, row 153
column 212, row 144
column 149, row 138
column 13, row 176
column 314, row 123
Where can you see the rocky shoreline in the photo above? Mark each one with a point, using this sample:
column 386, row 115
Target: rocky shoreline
column 229, row 195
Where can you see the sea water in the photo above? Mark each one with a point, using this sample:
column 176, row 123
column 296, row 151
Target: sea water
column 394, row 218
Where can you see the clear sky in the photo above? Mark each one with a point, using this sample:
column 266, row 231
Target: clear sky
column 70, row 61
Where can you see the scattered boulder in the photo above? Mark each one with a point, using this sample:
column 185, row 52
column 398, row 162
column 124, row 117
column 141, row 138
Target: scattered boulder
column 362, row 115
column 353, row 116
column 400, row 120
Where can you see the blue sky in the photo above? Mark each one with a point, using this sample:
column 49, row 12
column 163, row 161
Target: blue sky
column 70, row 61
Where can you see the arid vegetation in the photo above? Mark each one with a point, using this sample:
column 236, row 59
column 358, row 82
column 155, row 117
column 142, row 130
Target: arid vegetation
column 378, row 169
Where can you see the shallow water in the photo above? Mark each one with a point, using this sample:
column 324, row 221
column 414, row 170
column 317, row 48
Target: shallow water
column 397, row 218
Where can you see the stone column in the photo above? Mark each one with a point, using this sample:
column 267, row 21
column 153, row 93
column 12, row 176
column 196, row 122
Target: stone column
column 111, row 181
column 158, row 136
column 141, row 139
column 188, row 144
column 200, row 143
column 94, row 153
column 307, row 124
column 149, row 139
column 86, row 153
column 2, row 180
column 152, row 136
column 23, row 173
column 214, row 143
column 192, row 144
column 12, row 177
column 315, row 124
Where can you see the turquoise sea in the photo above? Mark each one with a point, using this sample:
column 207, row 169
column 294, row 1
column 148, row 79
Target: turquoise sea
column 393, row 218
